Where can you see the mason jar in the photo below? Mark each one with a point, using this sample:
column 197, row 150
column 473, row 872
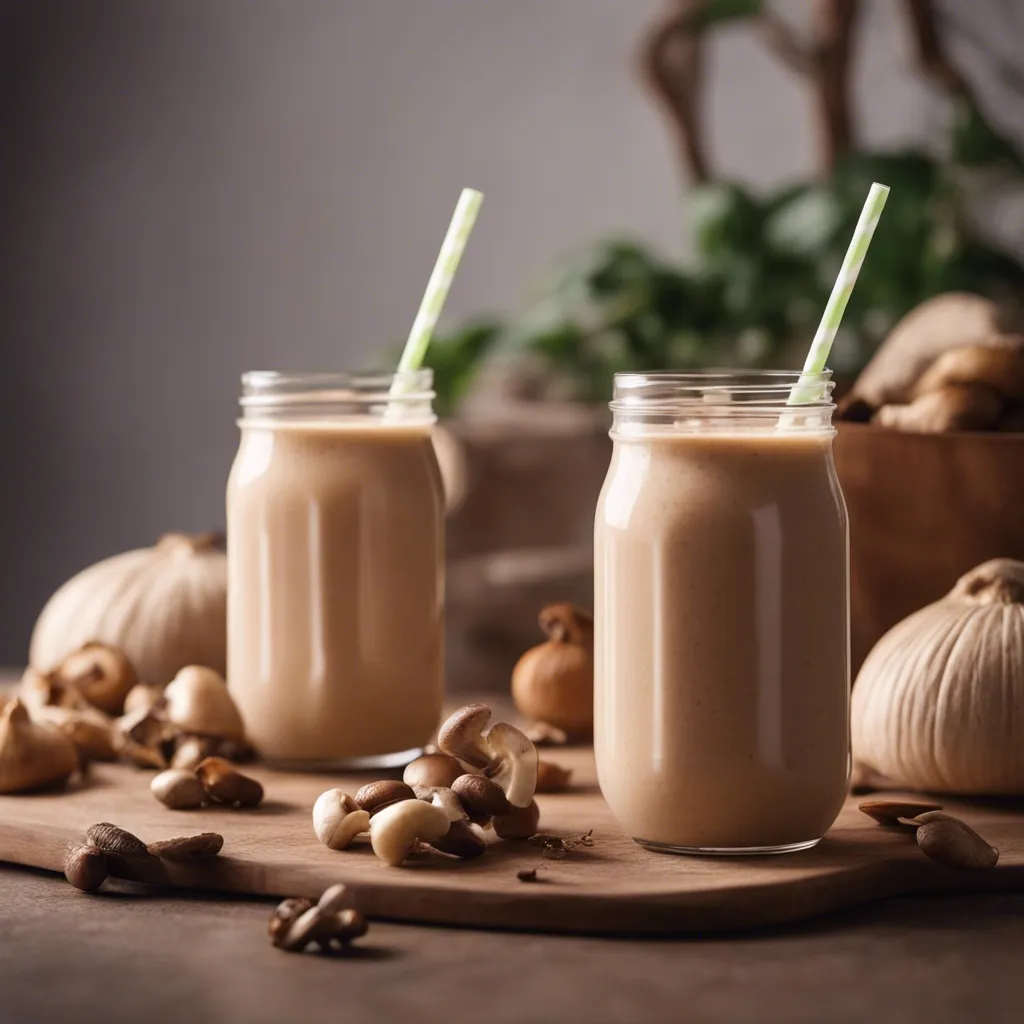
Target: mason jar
column 721, row 613
column 336, row 568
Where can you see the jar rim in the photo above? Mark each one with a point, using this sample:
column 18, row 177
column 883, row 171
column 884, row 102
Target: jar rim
column 266, row 386
column 399, row 395
column 635, row 390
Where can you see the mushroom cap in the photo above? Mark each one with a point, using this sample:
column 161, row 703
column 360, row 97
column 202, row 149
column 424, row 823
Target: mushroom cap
column 395, row 829
column 198, row 702
column 432, row 770
column 461, row 735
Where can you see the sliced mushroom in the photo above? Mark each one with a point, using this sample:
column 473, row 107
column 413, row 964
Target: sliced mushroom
column 514, row 763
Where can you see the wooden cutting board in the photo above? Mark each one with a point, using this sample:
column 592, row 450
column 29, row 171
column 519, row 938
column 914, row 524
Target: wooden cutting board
column 613, row 887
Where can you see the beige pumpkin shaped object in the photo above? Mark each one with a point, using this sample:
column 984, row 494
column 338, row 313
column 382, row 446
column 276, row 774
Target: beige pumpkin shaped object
column 939, row 701
column 164, row 606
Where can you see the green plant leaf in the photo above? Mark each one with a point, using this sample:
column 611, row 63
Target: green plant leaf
column 714, row 12
column 727, row 222
column 977, row 144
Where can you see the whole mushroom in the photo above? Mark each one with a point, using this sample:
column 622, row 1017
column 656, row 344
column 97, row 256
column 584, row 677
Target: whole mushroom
column 199, row 704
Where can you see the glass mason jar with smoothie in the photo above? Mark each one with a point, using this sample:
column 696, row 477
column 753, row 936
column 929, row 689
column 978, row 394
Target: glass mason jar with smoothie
column 335, row 568
column 336, row 554
column 721, row 622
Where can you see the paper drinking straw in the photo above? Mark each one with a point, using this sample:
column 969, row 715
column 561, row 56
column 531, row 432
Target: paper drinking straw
column 817, row 357
column 440, row 282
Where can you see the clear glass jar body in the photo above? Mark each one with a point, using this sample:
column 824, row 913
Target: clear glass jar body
column 335, row 569
column 721, row 615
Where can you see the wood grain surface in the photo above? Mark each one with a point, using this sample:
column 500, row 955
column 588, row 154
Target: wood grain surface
column 614, row 887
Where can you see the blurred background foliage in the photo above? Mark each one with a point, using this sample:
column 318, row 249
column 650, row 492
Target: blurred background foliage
column 761, row 269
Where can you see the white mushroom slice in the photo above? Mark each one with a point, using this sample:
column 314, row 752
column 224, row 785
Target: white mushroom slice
column 514, row 764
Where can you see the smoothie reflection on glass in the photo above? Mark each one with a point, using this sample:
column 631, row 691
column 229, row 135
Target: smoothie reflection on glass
column 721, row 621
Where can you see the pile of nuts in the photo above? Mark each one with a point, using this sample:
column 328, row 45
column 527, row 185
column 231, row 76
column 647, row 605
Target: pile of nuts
column 214, row 780
column 943, row 838
column 109, row 850
column 446, row 801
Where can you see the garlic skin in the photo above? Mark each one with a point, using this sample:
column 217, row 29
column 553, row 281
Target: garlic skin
column 165, row 607
column 554, row 681
column 939, row 702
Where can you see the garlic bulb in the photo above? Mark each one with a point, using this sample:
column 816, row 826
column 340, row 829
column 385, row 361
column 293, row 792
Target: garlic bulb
column 165, row 607
column 31, row 756
column 939, row 702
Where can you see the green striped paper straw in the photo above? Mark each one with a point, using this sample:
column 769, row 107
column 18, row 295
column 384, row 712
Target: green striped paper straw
column 805, row 392
column 440, row 282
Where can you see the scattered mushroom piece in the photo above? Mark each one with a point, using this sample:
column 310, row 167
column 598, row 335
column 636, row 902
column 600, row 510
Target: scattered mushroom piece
column 32, row 756
column 226, row 785
column 514, row 763
column 395, row 830
column 375, row 796
column 520, row 824
column 338, row 819
column 329, row 923
column 461, row 735
column 482, row 798
column 178, row 789
column 552, row 778
column 102, row 674
column 85, row 867
column 198, row 703
column 432, row 770
column 463, row 840
column 188, row 849
column 89, row 730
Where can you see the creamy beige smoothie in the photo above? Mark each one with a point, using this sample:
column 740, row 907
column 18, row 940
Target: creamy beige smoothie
column 721, row 637
column 335, row 555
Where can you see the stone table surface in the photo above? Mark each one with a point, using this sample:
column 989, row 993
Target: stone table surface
column 143, row 957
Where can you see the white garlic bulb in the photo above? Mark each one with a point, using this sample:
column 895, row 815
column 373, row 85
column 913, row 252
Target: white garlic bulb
column 165, row 607
column 939, row 702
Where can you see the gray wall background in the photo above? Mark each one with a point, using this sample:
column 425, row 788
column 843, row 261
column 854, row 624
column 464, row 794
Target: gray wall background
column 190, row 189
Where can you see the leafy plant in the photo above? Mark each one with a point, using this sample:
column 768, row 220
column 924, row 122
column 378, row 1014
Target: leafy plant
column 763, row 264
